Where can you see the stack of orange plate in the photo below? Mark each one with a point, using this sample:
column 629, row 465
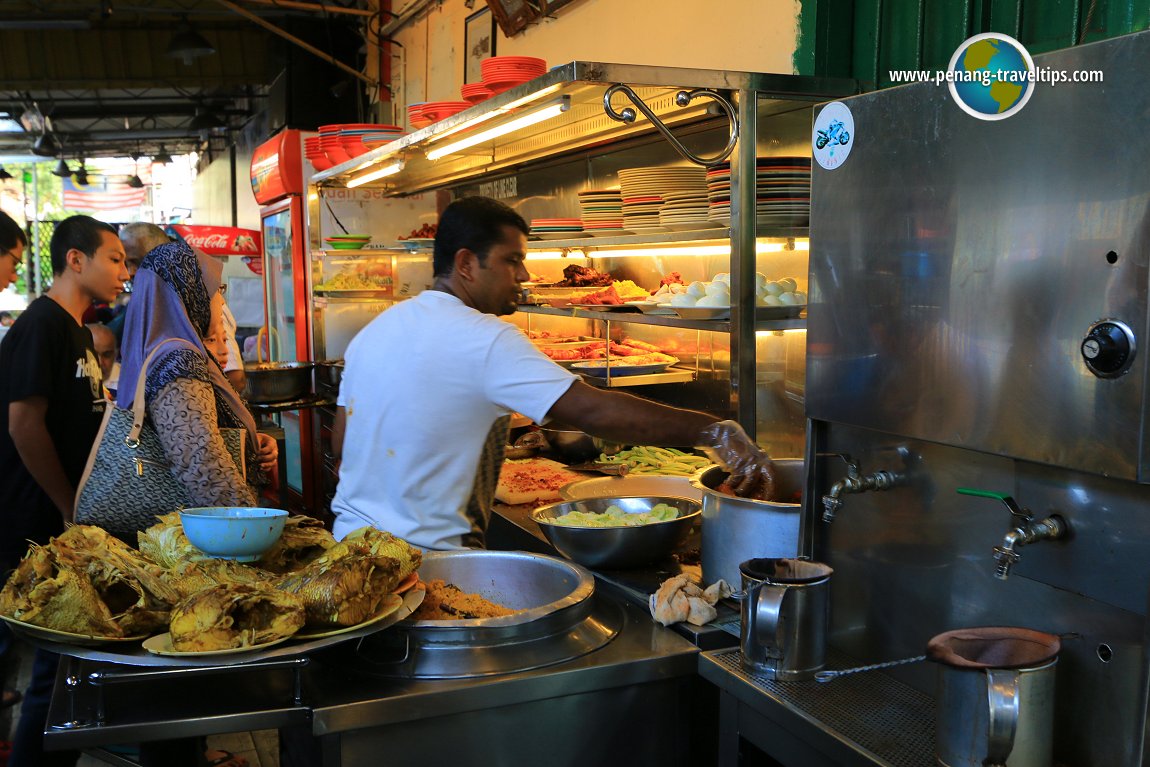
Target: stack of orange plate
column 475, row 92
column 315, row 154
column 501, row 73
column 415, row 116
column 437, row 110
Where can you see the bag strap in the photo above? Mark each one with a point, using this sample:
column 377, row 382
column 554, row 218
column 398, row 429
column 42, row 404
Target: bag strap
column 132, row 440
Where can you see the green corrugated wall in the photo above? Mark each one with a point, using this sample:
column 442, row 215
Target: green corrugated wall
column 864, row 39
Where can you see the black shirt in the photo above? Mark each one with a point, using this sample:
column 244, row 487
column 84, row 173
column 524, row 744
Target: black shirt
column 45, row 353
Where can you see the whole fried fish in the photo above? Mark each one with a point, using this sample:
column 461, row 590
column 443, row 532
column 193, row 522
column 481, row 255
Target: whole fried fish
column 347, row 584
column 230, row 616
column 344, row 586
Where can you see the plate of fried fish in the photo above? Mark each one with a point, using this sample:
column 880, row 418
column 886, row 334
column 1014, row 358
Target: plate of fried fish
column 88, row 589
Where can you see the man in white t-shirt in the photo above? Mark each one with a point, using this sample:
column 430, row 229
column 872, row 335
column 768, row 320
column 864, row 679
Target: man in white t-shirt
column 428, row 386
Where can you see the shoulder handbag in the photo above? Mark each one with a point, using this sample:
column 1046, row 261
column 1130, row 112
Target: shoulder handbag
column 128, row 481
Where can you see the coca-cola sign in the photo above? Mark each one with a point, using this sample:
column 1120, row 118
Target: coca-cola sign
column 220, row 240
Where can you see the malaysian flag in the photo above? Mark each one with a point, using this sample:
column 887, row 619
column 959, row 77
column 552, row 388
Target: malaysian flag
column 102, row 194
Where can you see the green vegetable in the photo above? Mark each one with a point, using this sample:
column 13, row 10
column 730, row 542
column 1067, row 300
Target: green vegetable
column 616, row 517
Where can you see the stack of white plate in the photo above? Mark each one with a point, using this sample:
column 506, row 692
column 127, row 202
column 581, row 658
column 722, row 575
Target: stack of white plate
column 602, row 211
column 685, row 211
column 644, row 188
column 782, row 192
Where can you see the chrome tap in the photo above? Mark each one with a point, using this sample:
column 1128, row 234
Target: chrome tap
column 855, row 482
column 1025, row 530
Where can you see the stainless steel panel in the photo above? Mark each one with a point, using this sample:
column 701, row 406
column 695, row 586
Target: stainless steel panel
column 916, row 560
column 956, row 265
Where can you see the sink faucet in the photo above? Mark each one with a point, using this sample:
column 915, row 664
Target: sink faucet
column 855, row 482
column 1023, row 530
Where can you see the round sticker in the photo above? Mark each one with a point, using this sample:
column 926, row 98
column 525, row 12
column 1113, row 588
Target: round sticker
column 833, row 135
column 990, row 76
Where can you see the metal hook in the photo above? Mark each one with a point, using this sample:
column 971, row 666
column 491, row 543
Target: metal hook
column 682, row 98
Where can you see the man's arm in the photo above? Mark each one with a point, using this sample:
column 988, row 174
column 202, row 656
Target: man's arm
column 29, row 431
column 620, row 417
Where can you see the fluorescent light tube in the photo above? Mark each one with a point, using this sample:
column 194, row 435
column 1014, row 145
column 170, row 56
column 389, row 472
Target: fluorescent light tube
column 531, row 118
column 386, row 170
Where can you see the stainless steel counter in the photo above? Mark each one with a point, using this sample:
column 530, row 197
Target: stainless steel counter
column 636, row 695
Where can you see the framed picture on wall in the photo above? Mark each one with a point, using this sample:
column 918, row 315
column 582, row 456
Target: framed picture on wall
column 514, row 15
column 478, row 43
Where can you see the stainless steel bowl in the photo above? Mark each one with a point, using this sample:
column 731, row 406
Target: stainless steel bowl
column 277, row 381
column 329, row 372
column 737, row 529
column 618, row 547
column 577, row 446
column 631, row 485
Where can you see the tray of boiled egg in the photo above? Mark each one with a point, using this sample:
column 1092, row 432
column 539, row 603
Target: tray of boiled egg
column 711, row 300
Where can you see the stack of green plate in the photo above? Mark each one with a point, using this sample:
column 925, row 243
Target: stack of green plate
column 347, row 241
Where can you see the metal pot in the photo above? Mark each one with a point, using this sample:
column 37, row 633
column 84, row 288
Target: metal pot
column 277, row 381
column 329, row 373
column 738, row 529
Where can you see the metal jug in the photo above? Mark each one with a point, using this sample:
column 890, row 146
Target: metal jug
column 995, row 701
column 785, row 610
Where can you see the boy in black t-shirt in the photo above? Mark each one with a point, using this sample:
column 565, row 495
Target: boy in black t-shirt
column 50, row 410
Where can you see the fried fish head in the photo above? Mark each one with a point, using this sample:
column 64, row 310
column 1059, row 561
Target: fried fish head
column 304, row 540
column 68, row 601
column 224, row 617
column 383, row 543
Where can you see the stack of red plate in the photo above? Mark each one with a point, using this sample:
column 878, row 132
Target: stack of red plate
column 315, row 154
column 331, row 143
column 473, row 93
column 437, row 110
column 415, row 116
column 501, row 73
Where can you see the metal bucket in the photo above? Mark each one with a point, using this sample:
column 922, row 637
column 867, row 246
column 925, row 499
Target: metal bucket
column 995, row 700
column 737, row 529
column 785, row 614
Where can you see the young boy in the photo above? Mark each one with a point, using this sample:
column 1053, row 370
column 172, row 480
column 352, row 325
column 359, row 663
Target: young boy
column 51, row 404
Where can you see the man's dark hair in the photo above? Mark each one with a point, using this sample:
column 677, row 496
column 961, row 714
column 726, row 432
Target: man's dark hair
column 475, row 223
column 79, row 232
column 11, row 235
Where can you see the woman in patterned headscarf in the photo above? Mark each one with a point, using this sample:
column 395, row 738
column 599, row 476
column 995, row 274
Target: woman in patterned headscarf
column 176, row 295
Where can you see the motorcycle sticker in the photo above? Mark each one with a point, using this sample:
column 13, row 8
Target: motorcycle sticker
column 833, row 135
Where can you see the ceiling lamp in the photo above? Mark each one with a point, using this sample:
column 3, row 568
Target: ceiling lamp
column 135, row 181
column 62, row 169
column 188, row 45
column 162, row 156
column 4, row 174
column 46, row 145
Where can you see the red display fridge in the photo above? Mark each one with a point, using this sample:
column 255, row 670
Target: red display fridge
column 277, row 176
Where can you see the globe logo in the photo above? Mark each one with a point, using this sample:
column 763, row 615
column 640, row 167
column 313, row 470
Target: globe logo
column 991, row 76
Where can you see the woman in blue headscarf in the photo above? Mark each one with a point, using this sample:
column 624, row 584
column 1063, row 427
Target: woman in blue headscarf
column 176, row 295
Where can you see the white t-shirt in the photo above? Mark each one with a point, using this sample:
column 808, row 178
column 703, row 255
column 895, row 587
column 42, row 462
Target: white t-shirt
column 422, row 386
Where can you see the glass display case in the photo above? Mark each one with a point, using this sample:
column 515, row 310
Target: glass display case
column 744, row 360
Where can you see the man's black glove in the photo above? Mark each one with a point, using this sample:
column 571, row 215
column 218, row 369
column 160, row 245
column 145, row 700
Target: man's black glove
column 751, row 470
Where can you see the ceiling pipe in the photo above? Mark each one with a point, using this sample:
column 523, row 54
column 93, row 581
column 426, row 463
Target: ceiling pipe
column 321, row 7
column 296, row 41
